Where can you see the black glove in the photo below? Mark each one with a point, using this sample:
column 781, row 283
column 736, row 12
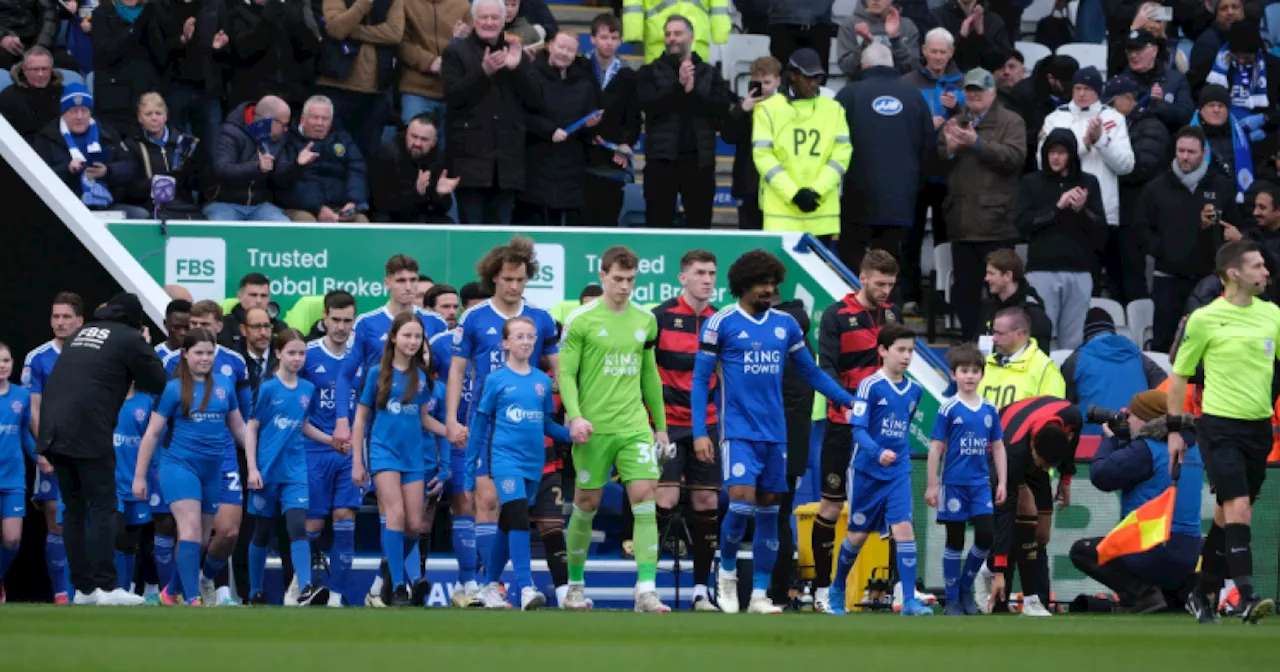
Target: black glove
column 806, row 199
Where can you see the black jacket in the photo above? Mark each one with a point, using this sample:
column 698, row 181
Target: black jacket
column 486, row 117
column 1024, row 297
column 196, row 64
column 736, row 130
column 258, row 376
column 1169, row 216
column 393, row 182
column 52, row 147
column 975, row 50
column 33, row 21
column 83, row 394
column 272, row 52
column 621, row 122
column 1060, row 239
column 152, row 158
column 1038, row 99
column 678, row 123
column 29, row 109
column 1177, row 105
column 893, row 138
column 797, row 399
column 1152, row 152
column 127, row 60
column 236, row 177
column 231, row 336
column 554, row 170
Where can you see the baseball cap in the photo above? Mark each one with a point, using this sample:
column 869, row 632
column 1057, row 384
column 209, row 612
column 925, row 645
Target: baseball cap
column 979, row 78
column 1138, row 39
column 1119, row 85
column 806, row 62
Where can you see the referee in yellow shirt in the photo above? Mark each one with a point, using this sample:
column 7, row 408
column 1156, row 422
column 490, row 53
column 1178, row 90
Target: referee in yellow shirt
column 1235, row 337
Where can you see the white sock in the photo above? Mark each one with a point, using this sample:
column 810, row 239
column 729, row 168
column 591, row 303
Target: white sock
column 151, row 589
column 758, row 594
column 471, row 586
column 376, row 588
column 646, row 587
column 561, row 593
column 700, row 590
column 224, row 593
column 821, row 593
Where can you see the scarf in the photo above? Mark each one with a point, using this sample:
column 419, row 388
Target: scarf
column 1243, row 159
column 129, row 14
column 605, row 76
column 1192, row 179
column 92, row 193
column 1247, row 84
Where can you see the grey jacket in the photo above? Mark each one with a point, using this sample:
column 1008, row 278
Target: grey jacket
column 905, row 47
column 797, row 12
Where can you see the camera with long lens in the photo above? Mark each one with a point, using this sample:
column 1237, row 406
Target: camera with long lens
column 1118, row 421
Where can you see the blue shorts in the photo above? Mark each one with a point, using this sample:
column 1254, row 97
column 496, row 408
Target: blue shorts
column 277, row 497
column 759, row 464
column 407, row 461
column 13, row 503
column 515, row 487
column 45, row 488
column 191, row 476
column 135, row 513
column 329, row 484
column 155, row 497
column 458, row 478
column 959, row 503
column 875, row 505
column 232, row 493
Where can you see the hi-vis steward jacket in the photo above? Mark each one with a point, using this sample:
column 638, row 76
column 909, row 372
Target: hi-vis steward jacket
column 1029, row 373
column 800, row 143
column 645, row 21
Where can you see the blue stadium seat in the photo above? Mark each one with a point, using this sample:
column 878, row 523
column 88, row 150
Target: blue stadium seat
column 1184, row 47
column 69, row 76
column 5, row 80
column 633, row 206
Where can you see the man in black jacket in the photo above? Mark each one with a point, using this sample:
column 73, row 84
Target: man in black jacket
column 246, row 173
column 408, row 179
column 1186, row 214
column 1151, row 153
column 196, row 35
column 254, row 292
column 273, row 51
column 1007, row 288
column 1061, row 216
column 620, row 125
column 25, row 24
column 1165, row 90
column 683, row 100
column 980, row 34
column 1047, row 89
column 82, row 398
column 32, row 101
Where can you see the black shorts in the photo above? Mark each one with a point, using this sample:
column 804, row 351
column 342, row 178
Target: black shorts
column 837, row 451
column 698, row 475
column 549, row 505
column 1041, row 488
column 1234, row 454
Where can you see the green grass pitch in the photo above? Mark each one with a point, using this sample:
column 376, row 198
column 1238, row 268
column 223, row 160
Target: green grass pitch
column 46, row 638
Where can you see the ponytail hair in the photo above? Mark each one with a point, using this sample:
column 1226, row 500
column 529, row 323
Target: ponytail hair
column 386, row 368
column 187, row 381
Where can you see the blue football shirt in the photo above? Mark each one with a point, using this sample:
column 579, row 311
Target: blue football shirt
column 204, row 430
column 369, row 337
column 230, row 365
column 968, row 434
column 478, row 338
column 131, row 424
column 883, row 410
column 281, row 412
column 323, row 369
column 15, row 439
column 398, row 427
column 37, row 366
column 513, row 415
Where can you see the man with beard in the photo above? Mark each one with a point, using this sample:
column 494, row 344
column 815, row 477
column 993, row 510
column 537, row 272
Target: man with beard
column 410, row 183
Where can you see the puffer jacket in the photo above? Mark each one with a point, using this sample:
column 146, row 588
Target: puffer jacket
column 337, row 177
column 667, row 108
column 236, row 177
column 33, row 21
column 52, row 147
column 1106, row 159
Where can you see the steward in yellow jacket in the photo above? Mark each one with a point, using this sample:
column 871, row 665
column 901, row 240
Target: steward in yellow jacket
column 644, row 22
column 1016, row 368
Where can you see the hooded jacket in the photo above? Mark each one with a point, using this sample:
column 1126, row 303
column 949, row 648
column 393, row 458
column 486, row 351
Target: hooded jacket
column 1107, row 371
column 1026, row 298
column 28, row 108
column 83, row 394
column 1060, row 239
column 1109, row 157
column 905, row 47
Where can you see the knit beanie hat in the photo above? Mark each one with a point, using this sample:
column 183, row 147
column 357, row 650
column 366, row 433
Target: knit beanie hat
column 1149, row 405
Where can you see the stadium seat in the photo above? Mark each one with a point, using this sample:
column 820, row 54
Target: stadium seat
column 1184, row 47
column 1060, row 356
column 1141, row 315
column 1113, row 309
column 1032, row 53
column 1161, row 359
column 633, row 206
column 305, row 313
column 841, row 9
column 228, row 305
column 1021, row 250
column 1087, row 54
column 560, row 311
column 738, row 53
column 69, row 76
column 944, row 275
column 1032, row 15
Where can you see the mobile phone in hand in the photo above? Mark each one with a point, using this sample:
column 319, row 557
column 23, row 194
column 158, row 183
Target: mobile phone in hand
column 755, row 88
column 1163, row 14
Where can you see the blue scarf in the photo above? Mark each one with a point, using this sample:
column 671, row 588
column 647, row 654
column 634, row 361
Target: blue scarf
column 92, row 192
column 1240, row 150
column 1247, row 84
column 605, row 76
column 129, row 14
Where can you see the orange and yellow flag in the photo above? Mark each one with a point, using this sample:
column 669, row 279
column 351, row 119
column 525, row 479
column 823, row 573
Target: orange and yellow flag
column 1144, row 528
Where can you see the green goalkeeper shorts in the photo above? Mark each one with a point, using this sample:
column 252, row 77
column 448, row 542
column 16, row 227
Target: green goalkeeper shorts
column 633, row 454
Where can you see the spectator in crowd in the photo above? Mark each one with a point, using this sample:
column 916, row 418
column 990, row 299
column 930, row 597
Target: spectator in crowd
column 1010, row 72
column 90, row 156
column 162, row 150
column 1164, row 89
column 408, row 177
column 358, row 63
column 25, row 24
column 34, row 98
column 1007, row 288
column 878, row 22
column 684, row 99
column 1047, row 89
column 1063, row 219
column 254, row 292
column 984, row 148
column 273, row 52
column 1241, row 65
column 1186, row 213
column 1152, row 152
column 1108, row 369
column 647, row 24
column 1229, row 148
column 429, row 27
column 129, row 53
column 197, row 37
column 797, row 24
column 1018, row 368
column 246, row 175
column 79, row 34
column 800, row 178
column 486, row 87
column 892, row 130
column 556, row 160
column 531, row 36
column 1226, row 13
column 980, row 34
column 766, row 72
column 616, row 93
column 539, row 13
column 329, row 179
column 255, row 346
column 1121, row 22
column 1266, row 216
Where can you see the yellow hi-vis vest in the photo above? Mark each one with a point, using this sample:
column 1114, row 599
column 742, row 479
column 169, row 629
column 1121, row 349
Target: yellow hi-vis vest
column 795, row 144
column 645, row 21
column 1030, row 373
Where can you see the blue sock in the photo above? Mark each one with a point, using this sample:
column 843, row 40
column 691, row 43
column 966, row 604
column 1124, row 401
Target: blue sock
column 300, row 554
column 164, row 559
column 55, row 556
column 213, row 565
column 907, row 569
column 732, row 529
column 764, row 547
column 485, row 535
column 341, row 555
column 6, row 558
column 845, row 561
column 257, row 567
column 125, row 563
column 951, row 572
column 972, row 565
column 393, row 551
column 189, row 568
column 412, row 561
column 464, row 547
column 521, row 557
column 499, row 553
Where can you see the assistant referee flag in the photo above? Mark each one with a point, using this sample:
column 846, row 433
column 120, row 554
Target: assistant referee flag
column 1143, row 529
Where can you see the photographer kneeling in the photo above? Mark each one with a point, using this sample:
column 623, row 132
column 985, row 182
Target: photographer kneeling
column 1138, row 467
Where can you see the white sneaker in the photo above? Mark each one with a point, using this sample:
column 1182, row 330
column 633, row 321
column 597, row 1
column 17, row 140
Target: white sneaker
column 921, row 597
column 374, row 601
column 982, row 589
column 492, row 598
column 90, row 599
column 335, row 599
column 290, row 594
column 727, row 591
column 703, row 603
column 120, row 598
column 531, row 599
column 208, row 591
column 763, row 605
column 463, row 598
column 648, row 603
column 1032, row 606
column 576, row 599
column 821, row 600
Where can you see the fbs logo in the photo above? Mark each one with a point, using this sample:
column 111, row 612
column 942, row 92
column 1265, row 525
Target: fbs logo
column 199, row 264
column 546, row 289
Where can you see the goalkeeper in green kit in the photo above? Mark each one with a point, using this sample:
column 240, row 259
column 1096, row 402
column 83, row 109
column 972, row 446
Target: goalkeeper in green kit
column 607, row 378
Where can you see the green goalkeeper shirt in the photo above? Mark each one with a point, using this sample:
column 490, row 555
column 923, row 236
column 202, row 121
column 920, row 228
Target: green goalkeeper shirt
column 608, row 373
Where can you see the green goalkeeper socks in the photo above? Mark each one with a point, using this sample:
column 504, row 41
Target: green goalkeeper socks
column 645, row 536
column 577, row 539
